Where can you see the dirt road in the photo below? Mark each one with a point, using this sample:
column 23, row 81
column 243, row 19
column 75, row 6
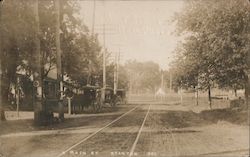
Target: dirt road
column 136, row 130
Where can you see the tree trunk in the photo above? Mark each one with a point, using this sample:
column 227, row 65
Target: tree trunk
column 39, row 114
column 2, row 114
column 4, row 91
column 235, row 92
column 247, row 91
column 197, row 97
column 3, row 99
column 209, row 97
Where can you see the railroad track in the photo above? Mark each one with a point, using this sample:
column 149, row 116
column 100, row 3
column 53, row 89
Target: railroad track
column 157, row 138
column 138, row 115
column 139, row 133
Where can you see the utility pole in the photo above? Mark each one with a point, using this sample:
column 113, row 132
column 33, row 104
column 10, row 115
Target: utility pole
column 162, row 78
column 39, row 114
column 59, row 61
column 104, row 58
column 104, row 65
column 116, row 73
column 117, row 68
column 170, row 82
column 92, row 43
column 2, row 115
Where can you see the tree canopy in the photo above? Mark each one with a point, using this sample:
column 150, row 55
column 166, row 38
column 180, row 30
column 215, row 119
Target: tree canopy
column 143, row 76
column 80, row 48
column 216, row 43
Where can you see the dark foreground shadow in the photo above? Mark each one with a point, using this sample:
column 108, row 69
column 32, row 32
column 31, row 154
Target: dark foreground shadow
column 169, row 119
column 28, row 125
column 183, row 119
column 229, row 115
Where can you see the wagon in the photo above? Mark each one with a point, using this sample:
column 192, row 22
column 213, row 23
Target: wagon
column 114, row 99
column 121, row 96
column 86, row 97
column 109, row 96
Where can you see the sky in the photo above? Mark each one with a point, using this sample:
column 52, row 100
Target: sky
column 140, row 30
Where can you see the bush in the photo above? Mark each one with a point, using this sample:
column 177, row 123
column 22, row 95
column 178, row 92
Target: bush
column 237, row 103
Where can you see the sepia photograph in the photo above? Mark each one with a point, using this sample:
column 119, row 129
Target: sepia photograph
column 124, row 78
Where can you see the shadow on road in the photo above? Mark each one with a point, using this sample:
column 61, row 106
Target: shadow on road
column 229, row 115
column 180, row 119
column 168, row 118
column 27, row 125
column 183, row 119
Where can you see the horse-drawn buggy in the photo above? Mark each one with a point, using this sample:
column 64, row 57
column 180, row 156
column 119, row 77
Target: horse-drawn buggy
column 83, row 97
column 121, row 96
column 115, row 99
column 109, row 96
column 78, row 99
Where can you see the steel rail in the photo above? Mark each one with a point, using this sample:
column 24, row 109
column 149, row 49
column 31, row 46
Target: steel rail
column 139, row 133
column 93, row 134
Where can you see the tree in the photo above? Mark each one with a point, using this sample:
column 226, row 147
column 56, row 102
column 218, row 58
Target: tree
column 18, row 51
column 143, row 76
column 15, row 16
column 216, row 30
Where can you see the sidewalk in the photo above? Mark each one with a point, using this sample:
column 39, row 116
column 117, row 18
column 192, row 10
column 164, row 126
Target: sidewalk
column 25, row 122
column 25, row 115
